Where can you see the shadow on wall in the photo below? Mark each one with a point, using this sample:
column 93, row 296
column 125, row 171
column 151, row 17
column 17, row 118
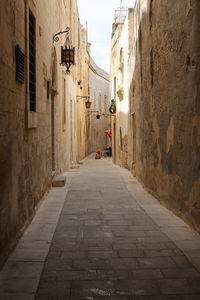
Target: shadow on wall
column 164, row 119
column 120, row 140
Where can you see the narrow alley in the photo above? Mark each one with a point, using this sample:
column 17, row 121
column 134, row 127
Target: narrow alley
column 100, row 150
column 103, row 235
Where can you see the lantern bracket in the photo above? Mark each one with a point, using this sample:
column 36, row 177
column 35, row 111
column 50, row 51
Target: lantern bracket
column 55, row 36
column 83, row 97
column 87, row 102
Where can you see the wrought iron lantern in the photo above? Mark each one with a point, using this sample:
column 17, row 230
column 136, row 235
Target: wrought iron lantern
column 88, row 104
column 98, row 116
column 67, row 51
column 67, row 57
column 112, row 108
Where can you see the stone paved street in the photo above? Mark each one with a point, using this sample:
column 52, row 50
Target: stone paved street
column 109, row 239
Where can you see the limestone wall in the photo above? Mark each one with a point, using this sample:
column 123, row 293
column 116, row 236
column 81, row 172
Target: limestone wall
column 164, row 115
column 121, row 46
column 33, row 144
column 160, row 45
column 82, row 90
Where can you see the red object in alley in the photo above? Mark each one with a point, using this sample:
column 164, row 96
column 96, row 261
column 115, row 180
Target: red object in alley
column 108, row 133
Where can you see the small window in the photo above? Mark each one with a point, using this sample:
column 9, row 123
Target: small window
column 19, row 65
column 105, row 103
column 115, row 88
column 48, row 89
column 32, row 62
column 121, row 67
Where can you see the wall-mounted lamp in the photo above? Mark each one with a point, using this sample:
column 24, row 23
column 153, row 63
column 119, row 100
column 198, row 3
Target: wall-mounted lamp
column 87, row 103
column 98, row 116
column 79, row 83
column 112, row 108
column 67, row 51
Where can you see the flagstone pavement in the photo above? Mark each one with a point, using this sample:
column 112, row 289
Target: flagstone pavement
column 102, row 236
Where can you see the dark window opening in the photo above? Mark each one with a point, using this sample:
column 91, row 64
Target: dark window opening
column 48, row 89
column 19, row 65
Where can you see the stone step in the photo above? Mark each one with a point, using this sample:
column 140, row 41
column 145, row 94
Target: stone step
column 74, row 167
column 59, row 181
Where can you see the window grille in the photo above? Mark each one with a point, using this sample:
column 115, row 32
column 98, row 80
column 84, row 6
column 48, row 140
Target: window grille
column 19, row 65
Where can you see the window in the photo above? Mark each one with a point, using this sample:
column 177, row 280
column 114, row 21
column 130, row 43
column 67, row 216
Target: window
column 121, row 67
column 48, row 89
column 105, row 103
column 32, row 62
column 99, row 104
column 19, row 65
column 120, row 88
column 115, row 88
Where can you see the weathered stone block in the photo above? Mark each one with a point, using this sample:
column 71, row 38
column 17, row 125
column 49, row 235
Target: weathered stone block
column 59, row 181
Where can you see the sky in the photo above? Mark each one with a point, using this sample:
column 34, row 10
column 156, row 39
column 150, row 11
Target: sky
column 99, row 15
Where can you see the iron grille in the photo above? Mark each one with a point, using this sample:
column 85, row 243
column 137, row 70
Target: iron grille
column 19, row 65
column 32, row 62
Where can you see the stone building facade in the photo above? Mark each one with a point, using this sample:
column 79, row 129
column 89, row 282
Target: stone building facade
column 98, row 114
column 121, row 46
column 163, row 112
column 39, row 114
